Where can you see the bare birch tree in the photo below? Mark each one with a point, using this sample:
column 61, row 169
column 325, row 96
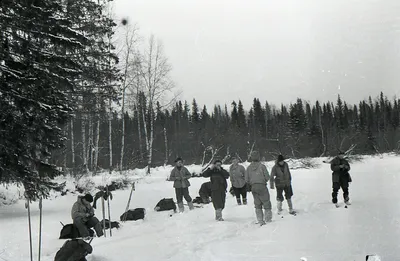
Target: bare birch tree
column 157, row 85
column 128, row 76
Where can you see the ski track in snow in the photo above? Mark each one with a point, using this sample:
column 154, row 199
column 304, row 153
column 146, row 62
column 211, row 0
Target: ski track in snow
column 320, row 231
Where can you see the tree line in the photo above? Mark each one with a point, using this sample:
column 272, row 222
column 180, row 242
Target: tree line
column 200, row 135
column 81, row 92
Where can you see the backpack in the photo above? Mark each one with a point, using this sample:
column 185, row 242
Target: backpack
column 114, row 224
column 165, row 204
column 74, row 250
column 135, row 214
column 70, row 231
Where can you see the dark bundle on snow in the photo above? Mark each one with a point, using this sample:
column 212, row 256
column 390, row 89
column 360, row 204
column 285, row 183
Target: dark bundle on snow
column 165, row 204
column 114, row 224
column 74, row 250
column 133, row 214
column 70, row 231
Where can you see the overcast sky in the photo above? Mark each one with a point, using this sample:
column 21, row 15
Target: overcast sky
column 275, row 50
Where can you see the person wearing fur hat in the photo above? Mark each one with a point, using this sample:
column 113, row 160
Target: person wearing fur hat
column 281, row 178
column 180, row 175
column 218, row 176
column 237, row 173
column 340, row 178
column 82, row 214
column 257, row 177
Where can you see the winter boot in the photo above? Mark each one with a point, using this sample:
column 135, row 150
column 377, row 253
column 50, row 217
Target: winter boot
column 268, row 215
column 260, row 216
column 347, row 201
column 279, row 207
column 218, row 215
column 244, row 201
column 239, row 201
column 181, row 207
column 191, row 206
column 290, row 204
column 334, row 197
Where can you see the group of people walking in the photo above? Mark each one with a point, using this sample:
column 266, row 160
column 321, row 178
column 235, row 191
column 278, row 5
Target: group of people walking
column 253, row 179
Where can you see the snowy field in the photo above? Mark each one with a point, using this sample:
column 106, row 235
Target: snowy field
column 320, row 232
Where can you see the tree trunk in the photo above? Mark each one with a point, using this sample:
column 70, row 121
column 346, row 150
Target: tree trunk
column 123, row 131
column 89, row 154
column 65, row 149
column 84, row 158
column 140, row 136
column 146, row 136
column 322, row 134
column 150, row 157
column 166, row 146
column 96, row 145
column 72, row 145
column 110, row 134
column 145, row 129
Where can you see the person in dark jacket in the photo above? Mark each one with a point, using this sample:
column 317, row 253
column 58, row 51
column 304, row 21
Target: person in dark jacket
column 205, row 192
column 237, row 175
column 218, row 176
column 281, row 178
column 180, row 175
column 340, row 178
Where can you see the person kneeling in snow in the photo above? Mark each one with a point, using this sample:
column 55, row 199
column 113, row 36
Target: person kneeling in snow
column 82, row 214
column 282, row 179
column 205, row 192
column 180, row 175
column 218, row 177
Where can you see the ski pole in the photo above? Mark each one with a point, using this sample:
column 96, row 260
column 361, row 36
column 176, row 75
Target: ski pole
column 129, row 201
column 104, row 216
column 40, row 228
column 30, row 227
column 109, row 211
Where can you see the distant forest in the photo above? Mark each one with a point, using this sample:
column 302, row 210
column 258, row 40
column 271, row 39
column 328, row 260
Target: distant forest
column 83, row 92
column 198, row 134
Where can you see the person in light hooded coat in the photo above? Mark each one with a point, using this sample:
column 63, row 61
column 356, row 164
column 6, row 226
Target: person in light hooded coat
column 82, row 214
column 180, row 175
column 237, row 175
column 257, row 177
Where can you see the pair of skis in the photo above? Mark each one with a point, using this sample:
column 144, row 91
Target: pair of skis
column 104, row 213
column 27, row 205
column 129, row 203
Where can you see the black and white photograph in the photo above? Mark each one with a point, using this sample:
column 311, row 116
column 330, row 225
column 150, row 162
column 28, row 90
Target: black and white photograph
column 199, row 130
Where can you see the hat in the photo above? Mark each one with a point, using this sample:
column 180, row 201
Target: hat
column 255, row 156
column 217, row 161
column 88, row 198
column 178, row 159
column 280, row 158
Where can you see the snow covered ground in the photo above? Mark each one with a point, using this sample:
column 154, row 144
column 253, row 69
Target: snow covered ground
column 320, row 232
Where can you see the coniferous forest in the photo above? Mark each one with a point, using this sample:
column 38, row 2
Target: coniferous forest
column 198, row 134
column 82, row 92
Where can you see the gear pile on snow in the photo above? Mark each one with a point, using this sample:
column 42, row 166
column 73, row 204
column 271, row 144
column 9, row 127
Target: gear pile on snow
column 133, row 214
column 74, row 250
column 165, row 204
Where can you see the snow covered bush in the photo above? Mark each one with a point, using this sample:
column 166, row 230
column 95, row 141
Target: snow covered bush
column 85, row 185
column 304, row 163
column 11, row 194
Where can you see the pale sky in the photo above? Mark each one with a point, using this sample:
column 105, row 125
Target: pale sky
column 275, row 50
